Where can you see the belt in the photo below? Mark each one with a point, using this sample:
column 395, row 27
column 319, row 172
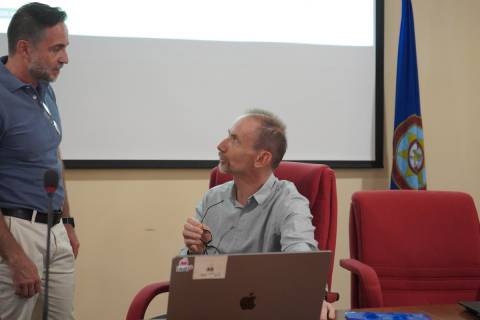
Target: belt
column 27, row 214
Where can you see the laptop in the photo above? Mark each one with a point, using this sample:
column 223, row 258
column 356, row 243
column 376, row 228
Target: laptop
column 471, row 306
column 248, row 286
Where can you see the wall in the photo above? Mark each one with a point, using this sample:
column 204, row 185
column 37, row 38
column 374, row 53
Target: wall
column 130, row 221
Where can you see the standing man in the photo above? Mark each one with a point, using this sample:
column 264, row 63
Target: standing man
column 255, row 212
column 30, row 134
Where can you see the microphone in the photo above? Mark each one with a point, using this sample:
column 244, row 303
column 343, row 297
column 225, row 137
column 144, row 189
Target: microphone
column 50, row 181
column 50, row 184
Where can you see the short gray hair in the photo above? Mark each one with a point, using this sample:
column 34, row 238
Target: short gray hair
column 272, row 134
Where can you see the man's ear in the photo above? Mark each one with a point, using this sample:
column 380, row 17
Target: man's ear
column 23, row 49
column 264, row 159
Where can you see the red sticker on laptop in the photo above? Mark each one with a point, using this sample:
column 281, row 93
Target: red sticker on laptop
column 184, row 265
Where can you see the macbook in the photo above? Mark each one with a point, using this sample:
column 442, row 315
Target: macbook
column 248, row 286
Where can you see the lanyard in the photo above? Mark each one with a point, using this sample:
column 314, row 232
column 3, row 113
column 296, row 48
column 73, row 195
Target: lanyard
column 54, row 123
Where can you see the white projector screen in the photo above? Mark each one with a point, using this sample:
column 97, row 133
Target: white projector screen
column 158, row 83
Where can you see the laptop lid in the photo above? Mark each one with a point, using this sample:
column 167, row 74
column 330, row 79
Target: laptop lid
column 248, row 286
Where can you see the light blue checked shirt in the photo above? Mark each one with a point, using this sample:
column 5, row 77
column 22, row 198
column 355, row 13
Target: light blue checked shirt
column 276, row 218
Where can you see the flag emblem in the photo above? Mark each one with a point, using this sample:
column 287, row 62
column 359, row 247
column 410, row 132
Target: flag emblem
column 408, row 170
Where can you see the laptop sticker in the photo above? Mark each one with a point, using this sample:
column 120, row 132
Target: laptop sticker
column 210, row 267
column 184, row 265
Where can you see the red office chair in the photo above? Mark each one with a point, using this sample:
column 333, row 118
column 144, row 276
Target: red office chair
column 316, row 182
column 142, row 299
column 413, row 248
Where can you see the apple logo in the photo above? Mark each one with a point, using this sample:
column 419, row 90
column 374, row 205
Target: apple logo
column 248, row 302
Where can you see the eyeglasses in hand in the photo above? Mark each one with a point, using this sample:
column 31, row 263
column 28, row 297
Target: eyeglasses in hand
column 207, row 244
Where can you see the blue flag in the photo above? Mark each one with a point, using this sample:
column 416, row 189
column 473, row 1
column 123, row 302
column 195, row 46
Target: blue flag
column 408, row 170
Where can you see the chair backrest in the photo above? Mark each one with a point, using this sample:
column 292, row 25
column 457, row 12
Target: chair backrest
column 316, row 182
column 423, row 245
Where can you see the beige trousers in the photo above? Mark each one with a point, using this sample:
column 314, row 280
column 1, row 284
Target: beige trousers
column 32, row 237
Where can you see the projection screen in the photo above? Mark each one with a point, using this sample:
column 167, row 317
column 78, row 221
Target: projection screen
column 158, row 83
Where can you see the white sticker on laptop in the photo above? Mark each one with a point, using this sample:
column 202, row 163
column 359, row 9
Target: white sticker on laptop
column 210, row 267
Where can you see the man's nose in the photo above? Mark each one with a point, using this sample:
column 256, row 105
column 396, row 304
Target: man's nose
column 222, row 146
column 64, row 57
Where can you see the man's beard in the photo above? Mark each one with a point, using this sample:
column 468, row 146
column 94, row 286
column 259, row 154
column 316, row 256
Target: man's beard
column 223, row 167
column 39, row 72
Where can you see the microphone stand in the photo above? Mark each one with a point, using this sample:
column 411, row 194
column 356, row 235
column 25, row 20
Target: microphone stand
column 47, row 260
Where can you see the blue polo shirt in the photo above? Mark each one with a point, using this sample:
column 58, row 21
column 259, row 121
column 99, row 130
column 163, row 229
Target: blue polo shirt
column 30, row 134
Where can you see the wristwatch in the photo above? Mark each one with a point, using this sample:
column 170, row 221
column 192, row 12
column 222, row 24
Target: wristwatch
column 69, row 220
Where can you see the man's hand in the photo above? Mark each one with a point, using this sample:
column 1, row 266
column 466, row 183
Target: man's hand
column 25, row 276
column 327, row 310
column 72, row 236
column 195, row 235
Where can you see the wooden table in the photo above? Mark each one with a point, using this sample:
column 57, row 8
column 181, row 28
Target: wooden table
column 436, row 312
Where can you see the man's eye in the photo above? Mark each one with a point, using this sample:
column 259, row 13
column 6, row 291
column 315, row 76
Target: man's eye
column 56, row 49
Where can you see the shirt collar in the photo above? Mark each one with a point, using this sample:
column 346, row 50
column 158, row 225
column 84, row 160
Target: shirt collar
column 261, row 195
column 12, row 83
column 266, row 190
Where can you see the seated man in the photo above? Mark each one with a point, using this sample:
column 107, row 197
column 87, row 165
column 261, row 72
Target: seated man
column 255, row 212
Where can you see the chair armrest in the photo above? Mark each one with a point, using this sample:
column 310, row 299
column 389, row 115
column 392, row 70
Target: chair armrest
column 142, row 299
column 369, row 282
